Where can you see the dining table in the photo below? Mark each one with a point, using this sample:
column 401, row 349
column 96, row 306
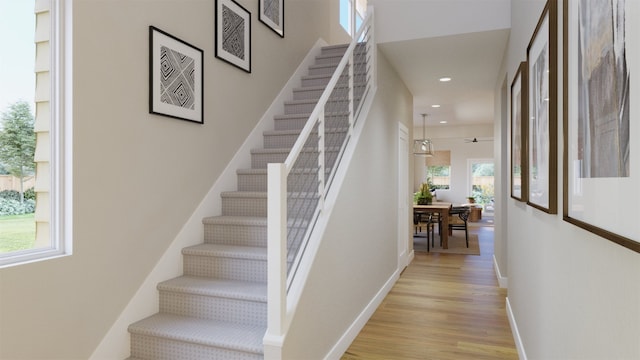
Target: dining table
column 441, row 208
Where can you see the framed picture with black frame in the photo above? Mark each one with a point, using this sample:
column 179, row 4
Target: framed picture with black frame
column 542, row 137
column 272, row 15
column 176, row 77
column 233, row 34
column 519, row 113
column 601, row 166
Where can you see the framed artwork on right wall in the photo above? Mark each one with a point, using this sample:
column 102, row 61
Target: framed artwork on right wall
column 519, row 113
column 542, row 115
column 601, row 100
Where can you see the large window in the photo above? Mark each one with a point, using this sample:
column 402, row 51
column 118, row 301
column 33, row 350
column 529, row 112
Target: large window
column 352, row 12
column 439, row 169
column 39, row 105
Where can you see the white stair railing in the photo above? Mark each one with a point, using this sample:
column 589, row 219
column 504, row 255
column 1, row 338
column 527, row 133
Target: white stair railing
column 297, row 188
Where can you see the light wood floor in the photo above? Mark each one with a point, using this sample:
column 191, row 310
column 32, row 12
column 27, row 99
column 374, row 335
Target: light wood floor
column 444, row 306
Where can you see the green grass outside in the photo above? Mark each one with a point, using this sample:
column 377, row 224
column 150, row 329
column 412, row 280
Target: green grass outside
column 17, row 232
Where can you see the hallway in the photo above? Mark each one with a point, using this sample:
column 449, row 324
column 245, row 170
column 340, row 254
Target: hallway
column 444, row 306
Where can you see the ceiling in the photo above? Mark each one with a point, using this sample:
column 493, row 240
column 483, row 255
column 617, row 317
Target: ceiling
column 471, row 60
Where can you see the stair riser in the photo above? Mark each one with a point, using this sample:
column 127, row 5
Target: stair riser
column 244, row 206
column 330, row 68
column 281, row 141
column 258, row 182
column 307, row 94
column 334, row 50
column 214, row 308
column 225, row 268
column 332, row 138
column 341, row 49
column 323, row 70
column 235, row 235
column 329, row 59
column 324, row 80
column 298, row 123
column 252, row 182
column 258, row 206
column 315, row 94
column 306, row 108
column 155, row 348
column 359, row 57
column 334, row 58
column 260, row 160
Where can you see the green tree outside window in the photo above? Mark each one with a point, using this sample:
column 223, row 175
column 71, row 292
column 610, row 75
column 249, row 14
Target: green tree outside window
column 18, row 142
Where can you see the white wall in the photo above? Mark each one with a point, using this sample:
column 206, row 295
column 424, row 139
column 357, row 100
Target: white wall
column 574, row 295
column 358, row 255
column 407, row 20
column 138, row 177
column 452, row 138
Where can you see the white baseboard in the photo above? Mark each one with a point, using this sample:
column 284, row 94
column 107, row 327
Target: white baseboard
column 352, row 332
column 522, row 355
column 503, row 281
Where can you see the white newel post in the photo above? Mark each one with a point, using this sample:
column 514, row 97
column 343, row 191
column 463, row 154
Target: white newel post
column 276, row 259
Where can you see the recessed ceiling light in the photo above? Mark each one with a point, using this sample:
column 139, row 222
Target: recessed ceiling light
column 443, row 122
column 445, row 79
column 435, row 106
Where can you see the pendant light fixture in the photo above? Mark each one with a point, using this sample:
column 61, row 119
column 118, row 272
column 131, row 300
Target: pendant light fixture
column 424, row 146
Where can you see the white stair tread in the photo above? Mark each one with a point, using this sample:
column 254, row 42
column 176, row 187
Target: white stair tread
column 201, row 331
column 233, row 289
column 227, row 251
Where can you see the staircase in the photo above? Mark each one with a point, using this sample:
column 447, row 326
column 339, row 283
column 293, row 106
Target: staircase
column 218, row 308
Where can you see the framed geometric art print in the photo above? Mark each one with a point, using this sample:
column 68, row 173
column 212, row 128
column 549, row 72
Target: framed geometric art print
column 175, row 77
column 233, row 34
column 272, row 15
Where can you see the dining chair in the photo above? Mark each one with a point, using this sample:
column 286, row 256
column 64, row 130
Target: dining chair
column 458, row 218
column 427, row 220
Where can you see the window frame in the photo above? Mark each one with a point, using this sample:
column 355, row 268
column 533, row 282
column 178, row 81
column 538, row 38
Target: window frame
column 354, row 18
column 60, row 134
column 429, row 174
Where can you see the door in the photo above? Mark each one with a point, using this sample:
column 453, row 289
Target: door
column 481, row 180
